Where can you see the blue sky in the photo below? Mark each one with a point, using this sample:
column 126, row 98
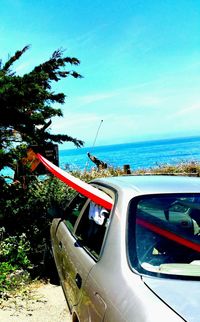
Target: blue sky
column 140, row 60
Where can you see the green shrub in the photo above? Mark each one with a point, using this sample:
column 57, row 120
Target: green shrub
column 24, row 212
column 13, row 261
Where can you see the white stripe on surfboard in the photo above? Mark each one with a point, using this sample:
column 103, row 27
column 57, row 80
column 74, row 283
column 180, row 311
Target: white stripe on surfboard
column 80, row 186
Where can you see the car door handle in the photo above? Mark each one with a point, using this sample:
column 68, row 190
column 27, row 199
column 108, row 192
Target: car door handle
column 60, row 245
column 78, row 280
column 100, row 300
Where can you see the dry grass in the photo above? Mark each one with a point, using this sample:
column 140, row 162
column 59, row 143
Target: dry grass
column 183, row 168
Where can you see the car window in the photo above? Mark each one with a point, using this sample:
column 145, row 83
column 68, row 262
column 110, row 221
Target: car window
column 73, row 210
column 92, row 227
column 166, row 234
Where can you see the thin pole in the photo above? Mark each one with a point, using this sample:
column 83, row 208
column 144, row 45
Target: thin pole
column 86, row 165
column 97, row 134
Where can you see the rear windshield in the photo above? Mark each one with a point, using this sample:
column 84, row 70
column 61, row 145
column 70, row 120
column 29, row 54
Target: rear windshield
column 164, row 234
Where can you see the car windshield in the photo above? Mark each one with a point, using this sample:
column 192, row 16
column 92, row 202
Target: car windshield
column 164, row 234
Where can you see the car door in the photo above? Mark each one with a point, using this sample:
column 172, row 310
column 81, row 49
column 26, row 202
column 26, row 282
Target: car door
column 90, row 231
column 73, row 266
column 79, row 239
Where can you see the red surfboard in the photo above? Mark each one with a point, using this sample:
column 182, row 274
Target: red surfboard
column 99, row 197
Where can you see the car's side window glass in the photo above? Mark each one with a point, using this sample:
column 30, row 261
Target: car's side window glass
column 73, row 210
column 92, row 228
column 166, row 235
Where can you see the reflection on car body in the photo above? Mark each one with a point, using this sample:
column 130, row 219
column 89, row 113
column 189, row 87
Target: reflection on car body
column 138, row 262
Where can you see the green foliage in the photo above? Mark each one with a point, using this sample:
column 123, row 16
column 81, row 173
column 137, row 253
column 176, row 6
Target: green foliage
column 26, row 211
column 5, row 283
column 27, row 108
column 14, row 261
column 14, row 250
column 27, row 105
column 26, row 216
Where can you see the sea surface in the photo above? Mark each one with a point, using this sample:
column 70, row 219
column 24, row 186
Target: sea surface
column 139, row 155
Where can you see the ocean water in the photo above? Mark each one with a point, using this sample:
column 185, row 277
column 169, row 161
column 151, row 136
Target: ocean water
column 138, row 155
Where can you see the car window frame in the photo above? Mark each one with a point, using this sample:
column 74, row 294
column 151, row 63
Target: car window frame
column 111, row 193
column 79, row 242
column 78, row 217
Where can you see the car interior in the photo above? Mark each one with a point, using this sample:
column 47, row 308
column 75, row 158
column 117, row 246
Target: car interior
column 167, row 231
column 92, row 227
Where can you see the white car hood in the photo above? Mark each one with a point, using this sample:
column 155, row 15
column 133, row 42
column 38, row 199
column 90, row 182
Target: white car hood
column 183, row 296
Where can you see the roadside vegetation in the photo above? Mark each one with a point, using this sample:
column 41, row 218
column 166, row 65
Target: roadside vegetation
column 28, row 105
column 26, row 202
column 191, row 168
column 27, row 215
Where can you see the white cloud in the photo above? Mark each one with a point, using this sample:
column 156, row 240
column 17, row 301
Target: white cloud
column 73, row 121
column 187, row 111
column 129, row 113
column 93, row 98
column 117, row 100
column 143, row 100
column 81, row 126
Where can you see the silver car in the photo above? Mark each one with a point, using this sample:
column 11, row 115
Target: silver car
column 139, row 261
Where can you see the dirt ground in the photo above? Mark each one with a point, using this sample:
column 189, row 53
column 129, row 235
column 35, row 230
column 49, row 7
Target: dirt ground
column 44, row 302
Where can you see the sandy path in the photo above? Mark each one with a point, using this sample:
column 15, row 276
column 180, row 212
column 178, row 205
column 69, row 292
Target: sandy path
column 45, row 303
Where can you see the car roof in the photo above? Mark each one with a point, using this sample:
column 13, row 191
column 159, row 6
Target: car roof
column 146, row 184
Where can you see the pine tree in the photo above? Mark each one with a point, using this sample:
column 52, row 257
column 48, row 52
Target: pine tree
column 27, row 105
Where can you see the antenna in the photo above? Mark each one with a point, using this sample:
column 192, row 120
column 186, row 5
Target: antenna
column 97, row 134
column 94, row 141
